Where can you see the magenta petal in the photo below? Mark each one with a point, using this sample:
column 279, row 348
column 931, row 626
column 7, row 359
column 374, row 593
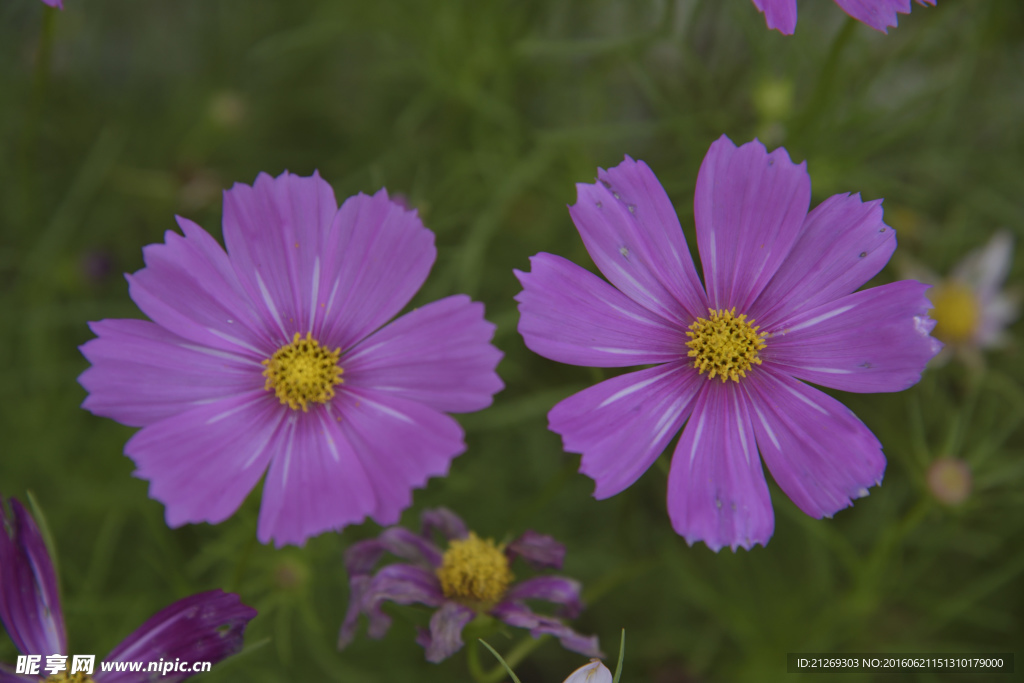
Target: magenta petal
column 817, row 450
column 202, row 463
column 439, row 355
column 556, row 589
column 570, row 315
column 623, row 424
column 633, row 234
column 652, row 230
column 376, row 257
column 716, row 488
column 59, row 4
column 539, row 550
column 445, row 636
column 7, row 675
column 749, row 208
column 515, row 613
column 878, row 14
column 779, row 14
column 843, row 244
column 141, row 373
column 189, row 288
column 399, row 583
column 444, row 520
column 400, row 444
column 206, row 627
column 29, row 597
column 276, row 232
column 871, row 341
column 316, row 482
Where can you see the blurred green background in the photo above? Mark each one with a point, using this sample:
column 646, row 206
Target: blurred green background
column 115, row 115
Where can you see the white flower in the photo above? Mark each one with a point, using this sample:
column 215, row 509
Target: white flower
column 594, row 672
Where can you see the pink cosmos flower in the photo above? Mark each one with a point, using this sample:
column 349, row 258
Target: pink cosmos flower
column 779, row 306
column 471, row 577
column 206, row 627
column 275, row 357
column 878, row 14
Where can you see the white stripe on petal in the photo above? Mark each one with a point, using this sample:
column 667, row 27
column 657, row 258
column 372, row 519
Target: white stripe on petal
column 819, row 319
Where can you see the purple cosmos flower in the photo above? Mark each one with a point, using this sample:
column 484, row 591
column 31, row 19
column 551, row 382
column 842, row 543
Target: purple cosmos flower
column 472, row 577
column 779, row 307
column 270, row 356
column 878, row 14
column 206, row 627
column 59, row 4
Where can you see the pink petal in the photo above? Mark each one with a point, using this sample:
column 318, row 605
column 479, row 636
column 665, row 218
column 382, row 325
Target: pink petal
column 817, row 450
column 376, row 258
column 570, row 315
column 188, row 288
column 749, row 207
column 842, row 245
column 872, row 341
column 275, row 232
column 633, row 234
column 400, row 443
column 439, row 355
column 878, row 14
column 623, row 424
column 202, row 463
column 141, row 373
column 716, row 488
column 317, row 482
column 779, row 14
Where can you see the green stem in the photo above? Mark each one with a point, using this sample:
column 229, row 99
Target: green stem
column 517, row 654
column 826, row 78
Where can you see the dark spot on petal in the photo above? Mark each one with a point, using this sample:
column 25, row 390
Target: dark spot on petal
column 616, row 195
column 863, row 254
column 632, row 208
column 599, row 205
column 606, row 183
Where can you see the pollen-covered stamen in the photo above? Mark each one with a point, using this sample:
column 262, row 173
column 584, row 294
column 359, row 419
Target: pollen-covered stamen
column 956, row 312
column 303, row 372
column 475, row 571
column 724, row 344
column 64, row 677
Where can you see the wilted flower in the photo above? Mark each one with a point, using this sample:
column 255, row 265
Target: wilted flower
column 779, row 306
column 270, row 356
column 878, row 14
column 473, row 576
column 206, row 627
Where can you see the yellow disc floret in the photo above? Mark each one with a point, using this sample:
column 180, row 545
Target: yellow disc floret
column 956, row 312
column 303, row 372
column 475, row 571
column 724, row 345
column 64, row 677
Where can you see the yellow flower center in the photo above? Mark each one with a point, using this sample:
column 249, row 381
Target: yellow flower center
column 65, row 677
column 303, row 372
column 724, row 345
column 474, row 570
column 955, row 312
